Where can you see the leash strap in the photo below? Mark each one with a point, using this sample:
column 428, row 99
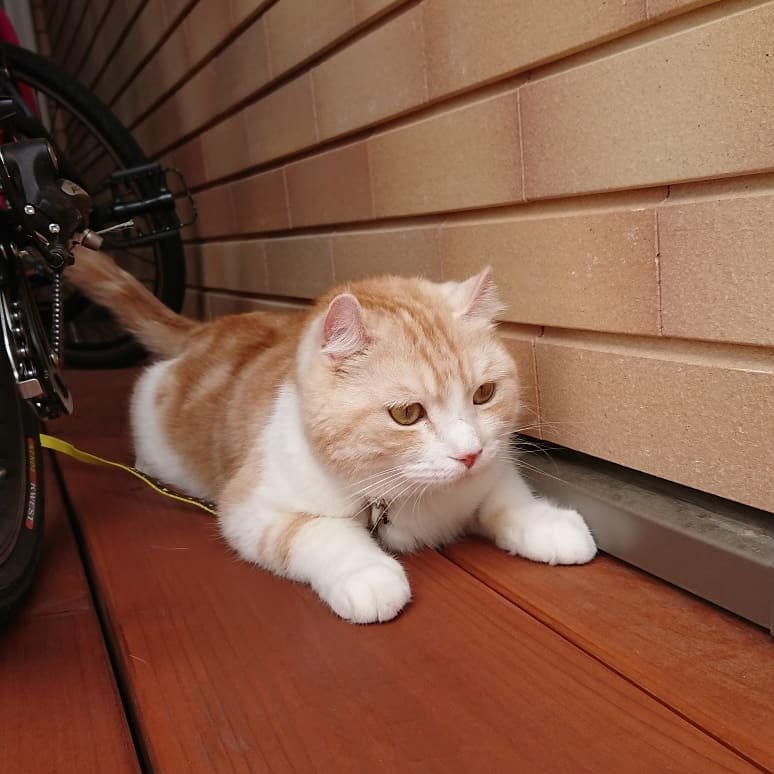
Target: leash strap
column 63, row 447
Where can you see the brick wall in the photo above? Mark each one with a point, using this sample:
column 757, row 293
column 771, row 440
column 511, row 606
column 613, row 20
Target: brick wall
column 613, row 161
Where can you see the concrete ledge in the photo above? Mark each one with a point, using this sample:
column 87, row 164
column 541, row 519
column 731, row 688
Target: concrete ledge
column 720, row 550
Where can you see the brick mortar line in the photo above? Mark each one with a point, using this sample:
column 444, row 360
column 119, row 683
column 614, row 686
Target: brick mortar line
column 206, row 59
column 138, row 66
column 659, row 298
column 502, row 82
column 110, row 54
column 275, row 81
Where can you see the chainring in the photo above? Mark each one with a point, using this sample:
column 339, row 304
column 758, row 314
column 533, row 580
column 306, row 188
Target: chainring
column 35, row 364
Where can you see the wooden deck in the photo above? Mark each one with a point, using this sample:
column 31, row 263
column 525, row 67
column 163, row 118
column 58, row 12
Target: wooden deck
column 180, row 658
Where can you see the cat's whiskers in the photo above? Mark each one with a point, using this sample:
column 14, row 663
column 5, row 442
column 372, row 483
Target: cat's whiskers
column 374, row 488
column 526, row 466
column 390, row 500
column 420, row 493
column 563, row 426
column 379, row 474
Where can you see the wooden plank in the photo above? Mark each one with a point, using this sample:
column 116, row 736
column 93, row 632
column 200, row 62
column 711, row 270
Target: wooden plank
column 230, row 668
column 59, row 706
column 710, row 666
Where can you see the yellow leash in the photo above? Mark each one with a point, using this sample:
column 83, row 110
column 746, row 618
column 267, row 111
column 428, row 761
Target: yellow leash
column 58, row 445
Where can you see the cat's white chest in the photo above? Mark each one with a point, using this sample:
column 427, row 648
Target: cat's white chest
column 440, row 516
column 293, row 478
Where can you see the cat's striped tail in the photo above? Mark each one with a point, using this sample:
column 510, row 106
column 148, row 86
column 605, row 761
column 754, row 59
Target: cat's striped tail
column 157, row 327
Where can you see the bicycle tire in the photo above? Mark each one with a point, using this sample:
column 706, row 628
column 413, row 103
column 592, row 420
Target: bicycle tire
column 44, row 76
column 21, row 494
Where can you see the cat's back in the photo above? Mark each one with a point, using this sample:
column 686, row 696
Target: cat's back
column 239, row 357
column 201, row 405
column 245, row 334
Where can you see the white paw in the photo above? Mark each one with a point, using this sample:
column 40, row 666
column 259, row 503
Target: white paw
column 377, row 592
column 551, row 534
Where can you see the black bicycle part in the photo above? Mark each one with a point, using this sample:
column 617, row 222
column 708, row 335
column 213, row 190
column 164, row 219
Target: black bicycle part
column 49, row 209
column 99, row 154
column 21, row 493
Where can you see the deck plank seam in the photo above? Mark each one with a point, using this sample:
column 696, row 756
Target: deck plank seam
column 565, row 632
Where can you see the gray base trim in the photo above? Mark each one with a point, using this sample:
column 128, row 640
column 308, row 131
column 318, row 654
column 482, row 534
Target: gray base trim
column 720, row 550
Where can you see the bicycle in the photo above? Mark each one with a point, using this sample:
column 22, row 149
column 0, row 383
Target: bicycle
column 55, row 197
column 99, row 154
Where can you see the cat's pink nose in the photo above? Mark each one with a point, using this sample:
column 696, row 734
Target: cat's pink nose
column 468, row 460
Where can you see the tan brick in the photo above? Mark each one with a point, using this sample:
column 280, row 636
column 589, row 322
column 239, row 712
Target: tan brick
column 378, row 76
column 717, row 271
column 56, row 17
column 140, row 39
column 365, row 10
column 86, row 31
column 193, row 264
column 169, row 64
column 194, row 305
column 204, row 28
column 224, row 146
column 174, row 9
column 595, row 271
column 700, row 416
column 300, row 267
column 282, row 305
column 281, row 122
column 161, row 127
column 297, row 29
column 111, row 32
column 239, row 10
column 238, row 266
column 330, row 187
column 522, row 348
column 196, row 101
column 217, row 216
column 660, row 8
column 690, row 106
column 219, row 304
column 242, row 67
column 233, row 75
column 189, row 159
column 470, row 43
column 67, row 37
column 406, row 251
column 39, row 20
column 467, row 157
column 180, row 113
column 261, row 202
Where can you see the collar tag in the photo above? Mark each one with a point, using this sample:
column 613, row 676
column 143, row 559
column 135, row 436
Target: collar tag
column 377, row 515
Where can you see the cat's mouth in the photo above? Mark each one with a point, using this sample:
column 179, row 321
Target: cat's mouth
column 418, row 479
column 440, row 479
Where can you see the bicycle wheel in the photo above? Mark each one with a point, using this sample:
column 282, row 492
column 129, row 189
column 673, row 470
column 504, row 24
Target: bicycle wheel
column 93, row 144
column 21, row 493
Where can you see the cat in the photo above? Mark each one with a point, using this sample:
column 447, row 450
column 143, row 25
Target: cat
column 302, row 426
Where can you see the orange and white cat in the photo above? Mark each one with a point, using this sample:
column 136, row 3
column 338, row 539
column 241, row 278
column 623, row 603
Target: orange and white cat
column 388, row 390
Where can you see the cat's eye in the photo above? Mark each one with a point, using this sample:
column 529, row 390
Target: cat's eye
column 407, row 415
column 484, row 393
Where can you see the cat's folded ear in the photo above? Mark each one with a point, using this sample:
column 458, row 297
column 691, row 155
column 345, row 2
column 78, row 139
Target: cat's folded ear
column 343, row 331
column 476, row 296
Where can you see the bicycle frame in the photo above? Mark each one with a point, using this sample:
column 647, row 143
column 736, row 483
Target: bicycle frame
column 38, row 229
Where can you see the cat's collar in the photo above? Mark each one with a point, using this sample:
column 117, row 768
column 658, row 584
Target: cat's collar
column 377, row 515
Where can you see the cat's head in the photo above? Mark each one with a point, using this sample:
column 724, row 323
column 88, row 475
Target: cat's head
column 405, row 383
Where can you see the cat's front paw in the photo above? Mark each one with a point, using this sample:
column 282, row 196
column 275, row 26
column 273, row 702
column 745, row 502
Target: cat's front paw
column 374, row 593
column 552, row 535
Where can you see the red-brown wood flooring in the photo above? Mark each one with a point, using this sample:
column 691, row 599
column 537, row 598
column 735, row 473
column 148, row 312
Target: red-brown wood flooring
column 498, row 664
